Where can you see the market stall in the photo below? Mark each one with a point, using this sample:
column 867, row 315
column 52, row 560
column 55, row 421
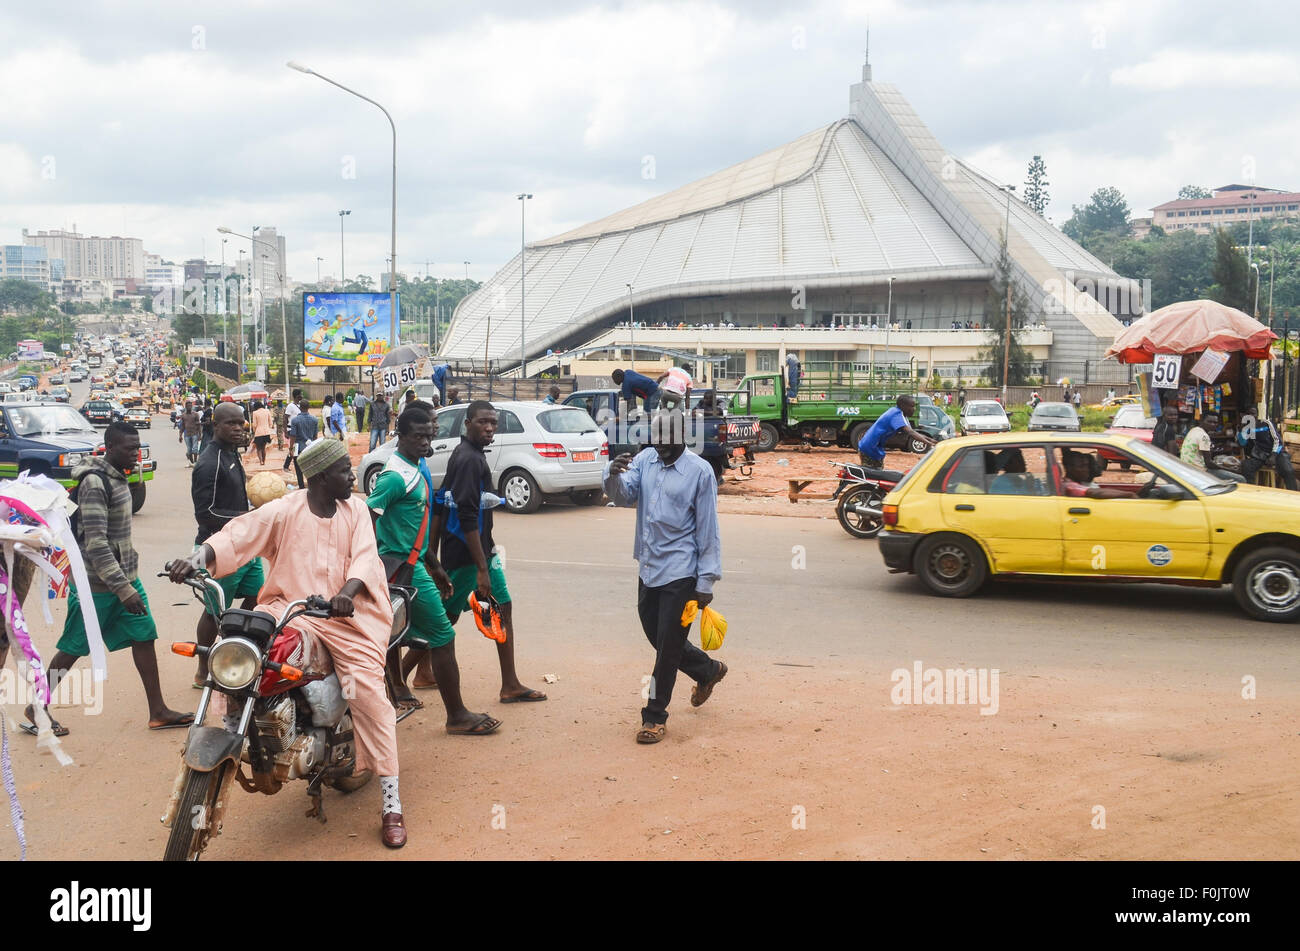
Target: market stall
column 1204, row 359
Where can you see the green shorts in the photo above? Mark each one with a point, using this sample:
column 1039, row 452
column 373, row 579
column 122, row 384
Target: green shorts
column 246, row 582
column 429, row 624
column 465, row 579
column 119, row 626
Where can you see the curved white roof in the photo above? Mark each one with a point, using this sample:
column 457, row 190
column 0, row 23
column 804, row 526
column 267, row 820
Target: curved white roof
column 827, row 207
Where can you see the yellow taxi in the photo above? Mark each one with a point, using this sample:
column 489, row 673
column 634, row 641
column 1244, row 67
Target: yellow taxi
column 1031, row 505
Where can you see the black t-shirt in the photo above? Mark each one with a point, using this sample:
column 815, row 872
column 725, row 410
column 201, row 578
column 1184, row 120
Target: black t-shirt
column 459, row 503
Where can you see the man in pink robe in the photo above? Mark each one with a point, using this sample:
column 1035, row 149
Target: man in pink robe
column 320, row 541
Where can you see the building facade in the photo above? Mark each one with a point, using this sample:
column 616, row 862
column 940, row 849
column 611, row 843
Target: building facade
column 1228, row 205
column 24, row 262
column 91, row 257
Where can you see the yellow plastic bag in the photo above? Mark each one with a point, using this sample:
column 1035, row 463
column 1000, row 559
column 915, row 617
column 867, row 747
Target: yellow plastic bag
column 713, row 626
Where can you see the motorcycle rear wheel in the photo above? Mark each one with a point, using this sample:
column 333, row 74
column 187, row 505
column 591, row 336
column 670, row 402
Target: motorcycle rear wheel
column 860, row 526
column 186, row 840
column 351, row 782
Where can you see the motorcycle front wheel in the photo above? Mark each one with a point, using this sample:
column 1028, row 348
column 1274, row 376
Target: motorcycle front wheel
column 190, row 830
column 860, row 526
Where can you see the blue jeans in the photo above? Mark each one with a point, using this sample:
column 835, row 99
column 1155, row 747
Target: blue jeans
column 376, row 437
column 193, row 444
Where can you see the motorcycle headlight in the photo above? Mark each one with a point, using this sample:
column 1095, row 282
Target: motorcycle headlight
column 234, row 662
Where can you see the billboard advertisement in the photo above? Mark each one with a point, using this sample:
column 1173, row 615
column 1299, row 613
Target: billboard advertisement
column 30, row 349
column 346, row 329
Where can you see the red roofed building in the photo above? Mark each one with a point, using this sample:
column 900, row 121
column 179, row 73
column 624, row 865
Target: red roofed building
column 1228, row 205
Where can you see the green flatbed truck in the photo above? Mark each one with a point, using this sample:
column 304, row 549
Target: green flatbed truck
column 834, row 407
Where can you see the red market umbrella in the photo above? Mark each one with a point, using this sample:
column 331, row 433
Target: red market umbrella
column 1190, row 327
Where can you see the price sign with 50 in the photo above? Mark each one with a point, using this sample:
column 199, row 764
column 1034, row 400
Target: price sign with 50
column 398, row 377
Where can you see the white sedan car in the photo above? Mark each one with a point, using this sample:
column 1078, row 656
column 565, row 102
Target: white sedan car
column 983, row 416
column 540, row 450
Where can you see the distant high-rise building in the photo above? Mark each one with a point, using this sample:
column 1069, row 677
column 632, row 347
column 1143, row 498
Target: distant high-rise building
column 267, row 272
column 25, row 263
column 84, row 256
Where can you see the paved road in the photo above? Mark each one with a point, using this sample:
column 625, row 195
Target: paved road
column 1125, row 699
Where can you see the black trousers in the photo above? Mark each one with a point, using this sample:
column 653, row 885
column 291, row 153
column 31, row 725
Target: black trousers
column 1281, row 461
column 660, row 609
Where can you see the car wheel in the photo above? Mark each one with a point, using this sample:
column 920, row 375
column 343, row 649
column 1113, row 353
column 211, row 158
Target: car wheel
column 1267, row 584
column 768, row 437
column 951, row 565
column 520, row 492
column 587, row 497
column 918, row 447
column 857, row 434
column 372, row 476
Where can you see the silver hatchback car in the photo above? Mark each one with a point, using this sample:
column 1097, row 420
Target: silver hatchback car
column 540, row 450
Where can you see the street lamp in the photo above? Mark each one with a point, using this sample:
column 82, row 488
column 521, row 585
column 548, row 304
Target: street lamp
column 523, row 352
column 392, row 273
column 318, row 260
column 1255, row 267
column 1006, row 253
column 343, row 269
column 631, row 326
column 283, row 327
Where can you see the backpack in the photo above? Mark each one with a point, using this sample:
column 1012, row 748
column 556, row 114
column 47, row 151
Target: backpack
column 75, row 521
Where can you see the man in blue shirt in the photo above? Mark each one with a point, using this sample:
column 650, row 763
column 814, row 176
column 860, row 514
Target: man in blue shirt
column 338, row 425
column 633, row 384
column 679, row 548
column 871, row 450
column 440, row 381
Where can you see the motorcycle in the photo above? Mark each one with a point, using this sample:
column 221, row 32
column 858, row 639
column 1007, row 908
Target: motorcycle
column 293, row 723
column 858, row 508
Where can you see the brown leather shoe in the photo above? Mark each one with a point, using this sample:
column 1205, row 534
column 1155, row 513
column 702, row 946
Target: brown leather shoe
column 701, row 692
column 393, row 830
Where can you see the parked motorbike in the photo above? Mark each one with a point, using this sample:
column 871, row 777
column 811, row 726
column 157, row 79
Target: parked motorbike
column 293, row 723
column 861, row 492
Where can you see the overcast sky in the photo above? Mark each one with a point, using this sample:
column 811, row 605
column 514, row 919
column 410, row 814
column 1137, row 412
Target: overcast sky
column 164, row 120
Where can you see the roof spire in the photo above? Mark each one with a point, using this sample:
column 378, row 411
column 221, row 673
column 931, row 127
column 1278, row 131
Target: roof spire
column 866, row 60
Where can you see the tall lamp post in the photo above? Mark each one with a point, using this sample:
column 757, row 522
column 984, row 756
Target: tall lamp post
column 889, row 321
column 392, row 272
column 631, row 326
column 283, row 277
column 523, row 349
column 343, row 266
column 1006, row 253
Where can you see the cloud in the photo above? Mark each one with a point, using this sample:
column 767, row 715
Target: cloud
column 1194, row 69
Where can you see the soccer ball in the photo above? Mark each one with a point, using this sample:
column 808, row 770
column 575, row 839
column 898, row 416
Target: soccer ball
column 265, row 487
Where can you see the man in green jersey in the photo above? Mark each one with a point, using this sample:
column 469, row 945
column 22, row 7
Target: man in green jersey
column 399, row 505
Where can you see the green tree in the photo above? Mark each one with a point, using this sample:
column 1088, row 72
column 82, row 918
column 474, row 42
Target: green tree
column 1036, row 185
column 18, row 296
column 1192, row 192
column 1000, row 341
column 1233, row 279
column 1107, row 212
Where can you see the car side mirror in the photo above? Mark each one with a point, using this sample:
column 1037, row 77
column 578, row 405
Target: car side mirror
column 1169, row 492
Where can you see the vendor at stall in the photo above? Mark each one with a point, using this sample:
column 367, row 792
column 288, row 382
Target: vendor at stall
column 1197, row 451
column 1264, row 445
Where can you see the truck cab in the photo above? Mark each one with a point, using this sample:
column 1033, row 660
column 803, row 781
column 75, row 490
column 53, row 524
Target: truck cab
column 724, row 440
column 52, row 439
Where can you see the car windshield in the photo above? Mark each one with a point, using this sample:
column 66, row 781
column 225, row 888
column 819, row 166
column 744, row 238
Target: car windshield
column 569, row 419
column 48, row 420
column 984, row 409
column 1198, row 479
column 1055, row 409
column 1130, row 417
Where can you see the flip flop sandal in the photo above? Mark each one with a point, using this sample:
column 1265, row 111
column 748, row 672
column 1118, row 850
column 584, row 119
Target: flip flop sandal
column 183, row 723
column 476, row 730
column 651, row 732
column 533, row 696
column 57, row 728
